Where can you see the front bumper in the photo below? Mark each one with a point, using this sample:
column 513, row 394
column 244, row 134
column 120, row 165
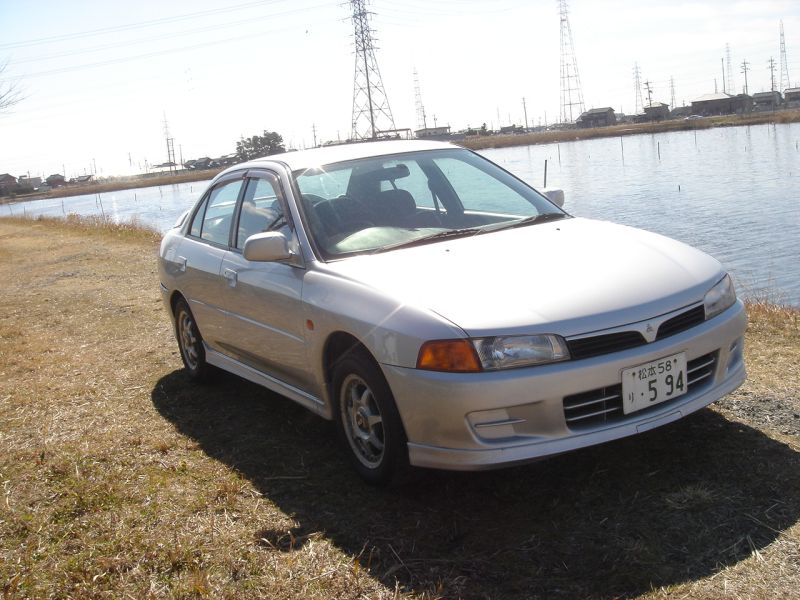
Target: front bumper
column 485, row 420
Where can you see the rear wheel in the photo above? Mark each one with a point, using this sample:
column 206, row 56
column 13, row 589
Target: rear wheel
column 190, row 343
column 367, row 419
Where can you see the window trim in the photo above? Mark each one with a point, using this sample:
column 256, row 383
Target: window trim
column 236, row 175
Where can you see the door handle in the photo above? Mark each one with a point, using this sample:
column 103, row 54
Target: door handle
column 230, row 275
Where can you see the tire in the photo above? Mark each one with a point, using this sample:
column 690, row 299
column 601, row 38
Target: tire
column 367, row 420
column 190, row 343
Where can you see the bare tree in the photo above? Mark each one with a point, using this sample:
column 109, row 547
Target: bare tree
column 10, row 93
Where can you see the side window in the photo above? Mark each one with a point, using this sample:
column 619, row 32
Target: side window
column 261, row 210
column 219, row 212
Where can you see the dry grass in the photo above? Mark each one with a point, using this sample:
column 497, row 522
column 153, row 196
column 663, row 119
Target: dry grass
column 624, row 129
column 119, row 477
column 122, row 183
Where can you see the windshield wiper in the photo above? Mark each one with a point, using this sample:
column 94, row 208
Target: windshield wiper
column 440, row 235
column 543, row 218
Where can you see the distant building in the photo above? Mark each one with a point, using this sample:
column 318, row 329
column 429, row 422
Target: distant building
column 508, row 129
column 429, row 132
column 791, row 97
column 30, row 182
column 722, row 104
column 55, row 180
column 597, row 117
column 764, row 101
column 8, row 183
column 657, row 111
column 680, row 112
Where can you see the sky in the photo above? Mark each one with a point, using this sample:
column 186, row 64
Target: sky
column 98, row 81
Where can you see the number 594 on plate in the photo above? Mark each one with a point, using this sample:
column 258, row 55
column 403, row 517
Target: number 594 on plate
column 653, row 382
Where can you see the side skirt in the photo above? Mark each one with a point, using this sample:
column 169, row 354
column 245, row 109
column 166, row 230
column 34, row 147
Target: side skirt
column 226, row 363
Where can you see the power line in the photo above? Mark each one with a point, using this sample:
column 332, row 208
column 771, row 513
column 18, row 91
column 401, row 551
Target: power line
column 137, row 25
column 159, row 53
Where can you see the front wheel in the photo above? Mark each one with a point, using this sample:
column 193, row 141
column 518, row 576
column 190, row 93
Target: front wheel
column 190, row 343
column 367, row 419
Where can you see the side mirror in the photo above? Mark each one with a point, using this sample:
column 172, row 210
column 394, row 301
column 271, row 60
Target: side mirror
column 555, row 196
column 266, row 247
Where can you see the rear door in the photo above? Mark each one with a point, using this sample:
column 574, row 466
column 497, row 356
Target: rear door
column 263, row 299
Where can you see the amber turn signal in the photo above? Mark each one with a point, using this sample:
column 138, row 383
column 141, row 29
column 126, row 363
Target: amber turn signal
column 457, row 356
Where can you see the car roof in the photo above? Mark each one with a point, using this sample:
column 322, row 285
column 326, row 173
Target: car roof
column 326, row 155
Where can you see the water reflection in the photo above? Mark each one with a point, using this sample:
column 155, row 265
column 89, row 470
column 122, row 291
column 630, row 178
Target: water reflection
column 729, row 191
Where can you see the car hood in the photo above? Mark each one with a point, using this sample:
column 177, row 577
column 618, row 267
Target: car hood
column 569, row 277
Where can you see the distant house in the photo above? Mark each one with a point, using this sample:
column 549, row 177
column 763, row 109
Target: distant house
column 791, row 97
column 429, row 132
column 657, row 111
column 597, row 117
column 29, row 182
column 56, row 180
column 763, row 101
column 680, row 112
column 509, row 129
column 7, row 183
column 722, row 104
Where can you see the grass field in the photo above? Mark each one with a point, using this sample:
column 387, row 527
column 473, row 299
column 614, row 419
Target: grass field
column 121, row 478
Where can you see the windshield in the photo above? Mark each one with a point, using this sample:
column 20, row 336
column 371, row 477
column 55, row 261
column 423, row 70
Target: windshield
column 386, row 202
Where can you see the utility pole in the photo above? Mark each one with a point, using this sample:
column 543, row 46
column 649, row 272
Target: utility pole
column 724, row 87
column 314, row 133
column 649, row 94
column 525, row 111
column 170, row 146
column 729, row 71
column 745, row 69
column 771, row 63
column 672, row 91
column 422, row 121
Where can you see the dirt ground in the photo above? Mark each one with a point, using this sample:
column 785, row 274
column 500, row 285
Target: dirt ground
column 121, row 478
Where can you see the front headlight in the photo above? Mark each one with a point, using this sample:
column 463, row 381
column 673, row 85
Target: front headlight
column 520, row 351
column 720, row 297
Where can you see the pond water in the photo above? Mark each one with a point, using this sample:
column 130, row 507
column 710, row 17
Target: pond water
column 733, row 192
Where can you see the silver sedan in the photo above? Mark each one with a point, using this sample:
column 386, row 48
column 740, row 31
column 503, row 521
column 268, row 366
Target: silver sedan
column 442, row 312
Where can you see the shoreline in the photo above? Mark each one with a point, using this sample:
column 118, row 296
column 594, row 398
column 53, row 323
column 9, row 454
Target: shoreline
column 473, row 143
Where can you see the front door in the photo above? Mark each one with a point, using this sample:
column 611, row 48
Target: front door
column 263, row 299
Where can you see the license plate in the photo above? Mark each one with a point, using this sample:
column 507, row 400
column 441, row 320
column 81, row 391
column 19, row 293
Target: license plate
column 653, row 382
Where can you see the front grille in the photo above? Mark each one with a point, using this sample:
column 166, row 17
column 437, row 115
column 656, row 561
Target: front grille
column 591, row 409
column 604, row 344
column 682, row 322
